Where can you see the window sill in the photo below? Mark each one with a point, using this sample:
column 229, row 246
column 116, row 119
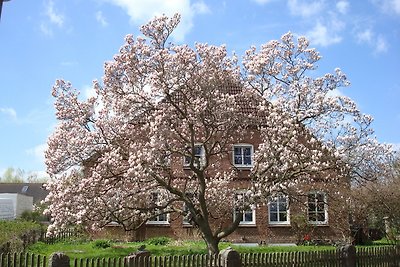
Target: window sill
column 187, row 167
column 247, row 225
column 158, row 224
column 243, row 167
column 279, row 225
column 325, row 224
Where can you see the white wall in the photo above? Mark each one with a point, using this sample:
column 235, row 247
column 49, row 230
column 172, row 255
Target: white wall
column 21, row 202
column 7, row 211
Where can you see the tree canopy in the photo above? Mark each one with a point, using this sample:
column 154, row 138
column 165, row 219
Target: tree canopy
column 158, row 102
column 12, row 175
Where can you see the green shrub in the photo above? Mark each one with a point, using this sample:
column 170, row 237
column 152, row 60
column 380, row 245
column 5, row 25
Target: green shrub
column 101, row 243
column 16, row 235
column 32, row 216
column 158, row 241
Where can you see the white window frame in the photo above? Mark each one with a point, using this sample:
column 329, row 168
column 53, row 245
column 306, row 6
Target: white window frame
column 253, row 212
column 315, row 210
column 165, row 160
column 185, row 208
column 185, row 222
column 242, row 146
column 276, row 199
column 156, row 220
column 186, row 160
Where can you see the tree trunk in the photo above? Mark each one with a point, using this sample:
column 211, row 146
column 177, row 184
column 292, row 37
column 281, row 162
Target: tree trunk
column 212, row 245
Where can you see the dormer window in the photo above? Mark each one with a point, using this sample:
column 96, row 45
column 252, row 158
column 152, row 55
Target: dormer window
column 24, row 189
column 243, row 155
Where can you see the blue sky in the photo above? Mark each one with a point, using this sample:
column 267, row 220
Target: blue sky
column 43, row 40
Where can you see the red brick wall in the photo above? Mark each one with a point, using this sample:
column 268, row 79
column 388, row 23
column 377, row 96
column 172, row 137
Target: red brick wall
column 336, row 229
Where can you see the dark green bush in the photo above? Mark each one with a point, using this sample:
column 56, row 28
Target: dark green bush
column 101, row 243
column 32, row 216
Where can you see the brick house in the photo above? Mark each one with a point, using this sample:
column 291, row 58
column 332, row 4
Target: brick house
column 318, row 214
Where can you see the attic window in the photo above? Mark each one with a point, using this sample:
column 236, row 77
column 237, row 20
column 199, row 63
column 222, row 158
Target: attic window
column 243, row 155
column 24, row 189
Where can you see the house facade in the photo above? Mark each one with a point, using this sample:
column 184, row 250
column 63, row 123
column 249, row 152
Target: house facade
column 315, row 212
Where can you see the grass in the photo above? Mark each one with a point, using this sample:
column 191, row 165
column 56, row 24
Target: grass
column 78, row 249
column 84, row 249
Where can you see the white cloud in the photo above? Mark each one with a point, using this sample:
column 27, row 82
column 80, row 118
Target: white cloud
column 381, row 45
column 262, row 2
column 377, row 42
column 88, row 91
column 38, row 152
column 54, row 16
column 388, row 6
column 342, row 6
column 45, row 29
column 305, row 8
column 396, row 6
column 320, row 35
column 364, row 36
column 101, row 19
column 335, row 93
column 10, row 112
column 142, row 11
column 201, row 8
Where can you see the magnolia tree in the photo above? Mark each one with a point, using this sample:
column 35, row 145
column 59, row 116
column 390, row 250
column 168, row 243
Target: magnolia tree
column 117, row 156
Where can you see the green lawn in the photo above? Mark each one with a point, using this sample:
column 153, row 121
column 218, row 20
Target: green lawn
column 104, row 249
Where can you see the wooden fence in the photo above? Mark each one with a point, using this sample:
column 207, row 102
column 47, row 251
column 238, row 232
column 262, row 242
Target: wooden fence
column 59, row 237
column 378, row 256
column 365, row 257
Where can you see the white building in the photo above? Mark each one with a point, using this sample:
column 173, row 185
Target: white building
column 12, row 205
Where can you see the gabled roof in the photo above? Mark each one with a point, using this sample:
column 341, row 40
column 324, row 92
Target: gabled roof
column 35, row 190
column 247, row 101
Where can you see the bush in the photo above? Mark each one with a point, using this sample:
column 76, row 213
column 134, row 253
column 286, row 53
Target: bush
column 159, row 241
column 16, row 235
column 101, row 243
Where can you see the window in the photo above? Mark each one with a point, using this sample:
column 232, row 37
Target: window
column 248, row 215
column 198, row 155
column 243, row 155
column 278, row 208
column 164, row 160
column 187, row 217
column 317, row 208
column 161, row 218
column 24, row 189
